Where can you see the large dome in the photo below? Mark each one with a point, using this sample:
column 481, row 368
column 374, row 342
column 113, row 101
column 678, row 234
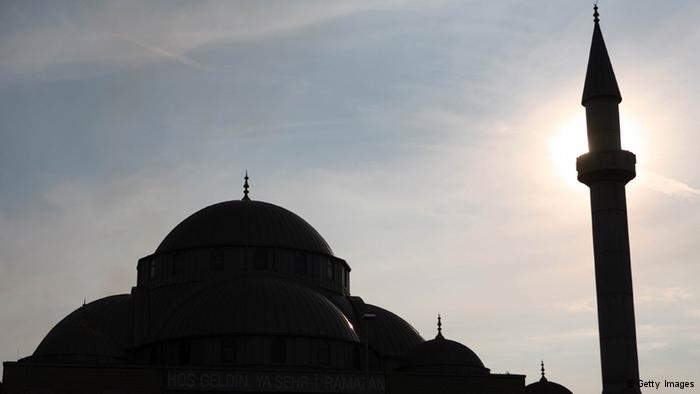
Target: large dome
column 244, row 223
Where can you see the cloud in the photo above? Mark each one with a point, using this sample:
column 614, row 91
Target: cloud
column 581, row 305
column 96, row 33
column 666, row 185
column 663, row 295
column 182, row 59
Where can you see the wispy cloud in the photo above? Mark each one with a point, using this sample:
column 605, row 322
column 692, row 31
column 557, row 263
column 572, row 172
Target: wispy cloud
column 95, row 33
column 182, row 59
column 581, row 305
column 666, row 185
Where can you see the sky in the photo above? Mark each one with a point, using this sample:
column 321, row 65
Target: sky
column 431, row 143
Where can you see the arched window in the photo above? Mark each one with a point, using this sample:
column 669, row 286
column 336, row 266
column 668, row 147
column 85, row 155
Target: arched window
column 154, row 354
column 324, row 353
column 184, row 353
column 178, row 262
column 356, row 358
column 278, row 351
column 330, row 274
column 299, row 263
column 260, row 258
column 229, row 351
column 216, row 260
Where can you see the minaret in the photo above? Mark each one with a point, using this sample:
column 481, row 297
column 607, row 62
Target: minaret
column 606, row 169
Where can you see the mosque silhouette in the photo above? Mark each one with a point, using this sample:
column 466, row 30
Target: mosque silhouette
column 246, row 296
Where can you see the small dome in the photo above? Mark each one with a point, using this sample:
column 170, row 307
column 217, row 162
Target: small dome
column 244, row 223
column 442, row 355
column 546, row 387
column 258, row 306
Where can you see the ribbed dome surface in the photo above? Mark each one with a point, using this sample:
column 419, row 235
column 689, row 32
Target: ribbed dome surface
column 443, row 356
column 546, row 387
column 79, row 345
column 244, row 223
column 390, row 334
column 93, row 333
column 109, row 316
column 258, row 306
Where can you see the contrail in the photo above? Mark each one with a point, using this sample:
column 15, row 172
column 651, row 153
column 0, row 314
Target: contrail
column 666, row 185
column 185, row 61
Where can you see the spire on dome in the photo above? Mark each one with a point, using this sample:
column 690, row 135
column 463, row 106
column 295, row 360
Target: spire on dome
column 83, row 316
column 542, row 379
column 439, row 326
column 600, row 77
column 245, row 188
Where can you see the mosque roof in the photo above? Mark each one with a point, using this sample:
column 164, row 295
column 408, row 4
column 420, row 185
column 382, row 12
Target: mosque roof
column 391, row 335
column 78, row 338
column 109, row 316
column 442, row 355
column 244, row 223
column 544, row 386
column 258, row 305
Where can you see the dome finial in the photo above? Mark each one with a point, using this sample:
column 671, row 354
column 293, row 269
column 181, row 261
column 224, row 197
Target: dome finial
column 245, row 187
column 439, row 326
column 83, row 316
column 595, row 13
column 542, row 379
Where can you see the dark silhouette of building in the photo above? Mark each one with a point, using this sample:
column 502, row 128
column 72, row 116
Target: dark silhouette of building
column 606, row 169
column 246, row 296
column 544, row 386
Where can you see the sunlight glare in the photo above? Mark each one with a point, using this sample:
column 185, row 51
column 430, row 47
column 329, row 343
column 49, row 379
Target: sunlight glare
column 570, row 141
column 567, row 144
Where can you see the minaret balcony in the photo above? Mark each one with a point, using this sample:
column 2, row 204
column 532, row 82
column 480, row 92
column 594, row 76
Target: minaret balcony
column 607, row 165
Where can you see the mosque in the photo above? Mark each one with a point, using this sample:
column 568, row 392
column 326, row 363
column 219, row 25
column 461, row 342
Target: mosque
column 246, row 296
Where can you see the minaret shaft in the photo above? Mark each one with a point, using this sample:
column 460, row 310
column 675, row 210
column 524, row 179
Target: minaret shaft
column 616, row 323
column 606, row 169
column 603, row 124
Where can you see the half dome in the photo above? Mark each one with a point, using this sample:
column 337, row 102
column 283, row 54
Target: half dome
column 95, row 333
column 244, row 223
column 391, row 335
column 79, row 345
column 258, row 306
column 443, row 356
column 100, row 328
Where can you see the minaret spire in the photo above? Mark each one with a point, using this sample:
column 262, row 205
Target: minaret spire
column 245, row 187
column 439, row 328
column 606, row 169
column 600, row 77
column 595, row 13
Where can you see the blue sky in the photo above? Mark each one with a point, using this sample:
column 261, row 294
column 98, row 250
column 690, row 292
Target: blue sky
column 432, row 143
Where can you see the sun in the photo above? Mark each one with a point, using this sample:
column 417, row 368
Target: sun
column 566, row 144
column 570, row 141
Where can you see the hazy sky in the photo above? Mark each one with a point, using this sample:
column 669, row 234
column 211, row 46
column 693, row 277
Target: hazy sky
column 432, row 144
